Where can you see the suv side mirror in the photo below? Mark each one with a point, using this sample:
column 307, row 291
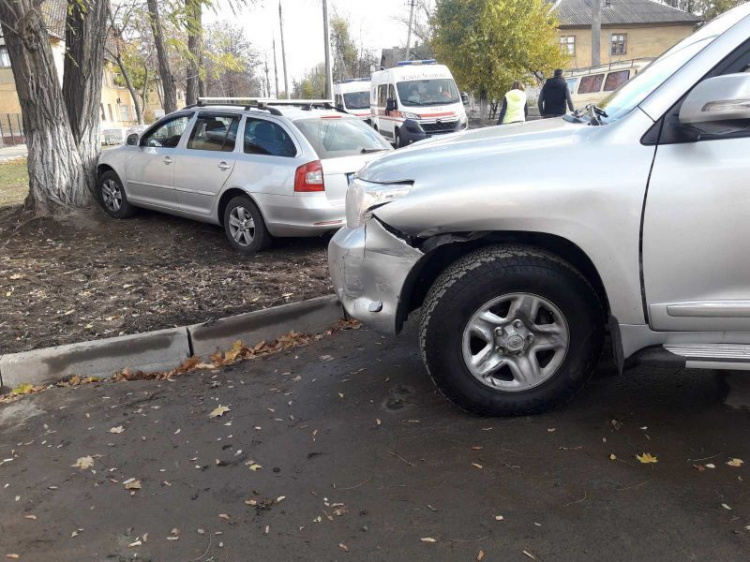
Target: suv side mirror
column 464, row 98
column 390, row 105
column 132, row 139
column 722, row 98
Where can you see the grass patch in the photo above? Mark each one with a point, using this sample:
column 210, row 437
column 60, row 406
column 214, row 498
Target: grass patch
column 14, row 182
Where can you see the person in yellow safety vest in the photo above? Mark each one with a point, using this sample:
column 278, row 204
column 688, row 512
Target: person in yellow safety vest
column 515, row 106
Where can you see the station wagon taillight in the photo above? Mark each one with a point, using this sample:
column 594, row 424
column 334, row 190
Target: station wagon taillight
column 309, row 178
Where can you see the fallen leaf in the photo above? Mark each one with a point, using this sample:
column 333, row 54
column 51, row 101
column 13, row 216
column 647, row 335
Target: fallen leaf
column 218, row 412
column 343, row 547
column 280, row 499
column 117, row 430
column 137, row 542
column 255, row 467
column 12, row 556
column 25, row 388
column 428, row 540
column 30, row 517
column 646, row 458
column 477, row 465
column 529, row 554
column 132, row 484
column 710, row 465
column 551, row 430
column 224, row 516
column 699, row 467
column 480, row 556
column 736, row 463
column 612, row 457
column 84, row 463
column 725, row 506
column 499, row 518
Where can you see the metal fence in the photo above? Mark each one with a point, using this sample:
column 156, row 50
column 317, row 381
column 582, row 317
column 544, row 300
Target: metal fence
column 11, row 129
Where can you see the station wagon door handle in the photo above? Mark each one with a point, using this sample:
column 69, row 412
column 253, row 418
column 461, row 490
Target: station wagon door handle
column 224, row 166
column 168, row 160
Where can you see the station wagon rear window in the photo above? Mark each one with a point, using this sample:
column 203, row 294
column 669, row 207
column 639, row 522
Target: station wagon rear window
column 340, row 136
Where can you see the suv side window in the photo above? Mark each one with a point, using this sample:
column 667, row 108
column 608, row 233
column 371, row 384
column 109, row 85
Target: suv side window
column 382, row 95
column 267, row 137
column 214, row 133
column 391, row 92
column 167, row 135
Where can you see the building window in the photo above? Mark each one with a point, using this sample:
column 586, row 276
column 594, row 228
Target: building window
column 619, row 44
column 568, row 45
column 4, row 58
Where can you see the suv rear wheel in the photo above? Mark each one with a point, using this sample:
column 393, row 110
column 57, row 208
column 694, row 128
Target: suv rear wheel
column 511, row 331
column 244, row 226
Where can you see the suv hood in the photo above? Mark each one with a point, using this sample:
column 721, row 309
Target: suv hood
column 469, row 149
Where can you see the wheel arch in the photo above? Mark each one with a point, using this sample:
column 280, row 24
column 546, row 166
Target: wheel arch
column 451, row 248
column 227, row 196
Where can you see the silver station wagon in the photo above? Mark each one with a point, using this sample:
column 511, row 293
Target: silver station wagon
column 259, row 171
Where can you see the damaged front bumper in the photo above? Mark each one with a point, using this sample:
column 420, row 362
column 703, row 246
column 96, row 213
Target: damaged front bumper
column 369, row 267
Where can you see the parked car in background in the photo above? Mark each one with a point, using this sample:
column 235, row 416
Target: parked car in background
column 519, row 261
column 592, row 85
column 260, row 172
column 415, row 101
column 353, row 96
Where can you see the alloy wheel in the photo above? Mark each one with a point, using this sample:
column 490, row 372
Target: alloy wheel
column 515, row 342
column 112, row 195
column 241, row 226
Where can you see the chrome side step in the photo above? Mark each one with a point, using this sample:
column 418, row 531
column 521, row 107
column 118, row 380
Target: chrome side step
column 695, row 356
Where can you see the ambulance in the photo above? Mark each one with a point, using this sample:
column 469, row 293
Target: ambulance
column 416, row 100
column 353, row 96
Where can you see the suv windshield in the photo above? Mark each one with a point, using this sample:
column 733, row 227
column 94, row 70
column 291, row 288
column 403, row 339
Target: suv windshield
column 632, row 93
column 428, row 92
column 357, row 100
column 340, row 136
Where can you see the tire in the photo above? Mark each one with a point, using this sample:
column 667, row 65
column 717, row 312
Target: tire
column 112, row 197
column 519, row 369
column 244, row 226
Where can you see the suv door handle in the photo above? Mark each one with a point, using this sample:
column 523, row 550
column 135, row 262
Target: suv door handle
column 224, row 166
column 168, row 160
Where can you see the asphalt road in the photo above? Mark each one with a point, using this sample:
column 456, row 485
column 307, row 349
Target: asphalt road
column 371, row 461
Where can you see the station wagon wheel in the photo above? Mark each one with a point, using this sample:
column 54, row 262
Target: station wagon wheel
column 511, row 330
column 244, row 226
column 112, row 196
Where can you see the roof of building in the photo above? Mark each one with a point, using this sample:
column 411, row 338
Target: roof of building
column 390, row 57
column 577, row 13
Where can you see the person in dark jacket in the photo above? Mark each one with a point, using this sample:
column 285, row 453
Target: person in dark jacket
column 555, row 95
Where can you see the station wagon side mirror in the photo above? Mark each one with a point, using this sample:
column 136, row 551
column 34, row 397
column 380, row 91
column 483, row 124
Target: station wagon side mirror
column 464, row 98
column 722, row 98
column 132, row 139
column 390, row 105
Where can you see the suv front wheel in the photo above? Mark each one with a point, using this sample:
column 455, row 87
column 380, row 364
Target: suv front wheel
column 511, row 330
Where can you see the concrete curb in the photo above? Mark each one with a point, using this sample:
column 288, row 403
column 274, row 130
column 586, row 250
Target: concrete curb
column 307, row 317
column 166, row 349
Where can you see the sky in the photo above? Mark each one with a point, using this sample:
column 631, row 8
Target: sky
column 303, row 28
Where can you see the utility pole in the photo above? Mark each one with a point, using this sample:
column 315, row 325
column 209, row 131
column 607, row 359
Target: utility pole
column 275, row 68
column 411, row 23
column 327, row 39
column 283, row 52
column 268, row 80
column 596, row 32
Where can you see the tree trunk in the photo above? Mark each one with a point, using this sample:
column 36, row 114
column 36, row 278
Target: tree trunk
column 56, row 178
column 85, row 36
column 194, row 11
column 129, row 84
column 165, row 73
column 483, row 105
column 144, row 94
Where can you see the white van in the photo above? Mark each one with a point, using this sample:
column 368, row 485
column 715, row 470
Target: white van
column 416, row 100
column 592, row 85
column 353, row 96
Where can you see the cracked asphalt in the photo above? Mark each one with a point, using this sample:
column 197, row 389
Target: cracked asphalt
column 343, row 450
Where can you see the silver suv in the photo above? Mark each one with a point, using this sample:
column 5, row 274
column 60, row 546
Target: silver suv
column 260, row 171
column 523, row 243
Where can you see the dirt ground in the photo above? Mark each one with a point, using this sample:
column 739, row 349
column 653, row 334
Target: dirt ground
column 95, row 277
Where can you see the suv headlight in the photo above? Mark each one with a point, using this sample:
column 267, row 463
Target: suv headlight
column 363, row 196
